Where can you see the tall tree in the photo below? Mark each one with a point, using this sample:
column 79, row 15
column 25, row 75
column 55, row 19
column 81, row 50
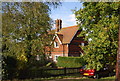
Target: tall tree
column 99, row 24
column 25, row 33
column 25, row 28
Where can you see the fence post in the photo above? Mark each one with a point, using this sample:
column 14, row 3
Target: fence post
column 65, row 71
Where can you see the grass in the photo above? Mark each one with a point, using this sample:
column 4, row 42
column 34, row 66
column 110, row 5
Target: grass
column 68, row 78
column 110, row 78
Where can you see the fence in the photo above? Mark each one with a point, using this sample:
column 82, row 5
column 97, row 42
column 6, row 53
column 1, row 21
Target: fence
column 41, row 73
column 62, row 71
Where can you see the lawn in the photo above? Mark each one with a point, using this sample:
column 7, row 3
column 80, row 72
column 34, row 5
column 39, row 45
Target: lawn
column 67, row 78
column 84, row 79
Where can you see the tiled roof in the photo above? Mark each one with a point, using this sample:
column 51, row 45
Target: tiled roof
column 66, row 34
column 60, row 37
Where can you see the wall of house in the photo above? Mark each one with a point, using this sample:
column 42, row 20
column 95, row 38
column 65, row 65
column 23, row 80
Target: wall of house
column 75, row 46
column 74, row 50
column 62, row 50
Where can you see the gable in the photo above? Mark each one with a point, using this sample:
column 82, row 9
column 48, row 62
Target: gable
column 58, row 39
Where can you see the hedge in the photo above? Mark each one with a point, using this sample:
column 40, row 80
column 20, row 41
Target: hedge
column 70, row 62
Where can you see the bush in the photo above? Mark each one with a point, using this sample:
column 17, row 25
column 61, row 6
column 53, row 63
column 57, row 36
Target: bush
column 70, row 62
column 9, row 66
column 20, row 69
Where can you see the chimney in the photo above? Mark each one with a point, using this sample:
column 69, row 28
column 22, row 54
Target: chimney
column 58, row 24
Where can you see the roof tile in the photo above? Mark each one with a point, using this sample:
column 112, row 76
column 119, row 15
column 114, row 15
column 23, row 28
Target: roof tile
column 66, row 34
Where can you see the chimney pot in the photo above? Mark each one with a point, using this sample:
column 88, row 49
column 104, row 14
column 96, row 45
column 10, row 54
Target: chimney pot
column 58, row 24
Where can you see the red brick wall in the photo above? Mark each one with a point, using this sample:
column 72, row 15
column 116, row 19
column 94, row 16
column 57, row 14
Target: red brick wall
column 62, row 50
column 74, row 46
column 72, row 49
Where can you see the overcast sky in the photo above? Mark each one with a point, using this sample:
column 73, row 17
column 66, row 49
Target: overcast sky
column 65, row 13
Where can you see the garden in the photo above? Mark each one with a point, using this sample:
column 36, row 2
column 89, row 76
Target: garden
column 50, row 71
column 37, row 69
column 26, row 31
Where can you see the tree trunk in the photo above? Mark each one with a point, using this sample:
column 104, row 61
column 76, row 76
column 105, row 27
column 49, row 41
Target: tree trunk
column 118, row 55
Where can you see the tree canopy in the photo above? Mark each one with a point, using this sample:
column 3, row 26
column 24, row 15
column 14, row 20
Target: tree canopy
column 25, row 28
column 99, row 24
column 25, row 34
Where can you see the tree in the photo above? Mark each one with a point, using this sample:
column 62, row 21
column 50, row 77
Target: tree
column 25, row 28
column 99, row 24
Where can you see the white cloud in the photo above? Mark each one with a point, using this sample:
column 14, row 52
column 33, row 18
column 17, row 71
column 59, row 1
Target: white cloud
column 67, row 19
column 65, row 24
column 72, row 18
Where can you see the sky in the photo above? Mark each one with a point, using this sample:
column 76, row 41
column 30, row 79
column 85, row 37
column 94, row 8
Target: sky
column 65, row 13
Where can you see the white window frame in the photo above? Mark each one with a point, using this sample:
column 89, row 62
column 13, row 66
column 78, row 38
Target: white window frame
column 50, row 56
column 82, row 44
column 56, row 45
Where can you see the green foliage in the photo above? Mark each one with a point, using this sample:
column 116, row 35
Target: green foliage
column 9, row 66
column 14, row 68
column 70, row 62
column 42, row 62
column 99, row 24
column 25, row 29
column 25, row 32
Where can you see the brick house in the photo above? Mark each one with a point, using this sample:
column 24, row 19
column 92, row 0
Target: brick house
column 66, row 41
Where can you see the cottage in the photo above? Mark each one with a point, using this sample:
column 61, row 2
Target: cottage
column 66, row 41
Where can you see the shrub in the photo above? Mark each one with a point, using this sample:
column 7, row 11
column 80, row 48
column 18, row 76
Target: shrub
column 9, row 66
column 13, row 67
column 70, row 62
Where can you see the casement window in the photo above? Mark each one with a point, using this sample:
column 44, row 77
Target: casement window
column 50, row 56
column 82, row 44
column 56, row 45
column 56, row 57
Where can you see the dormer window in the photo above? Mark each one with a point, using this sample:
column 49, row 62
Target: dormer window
column 56, row 45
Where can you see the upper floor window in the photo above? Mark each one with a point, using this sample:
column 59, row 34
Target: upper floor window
column 82, row 44
column 56, row 45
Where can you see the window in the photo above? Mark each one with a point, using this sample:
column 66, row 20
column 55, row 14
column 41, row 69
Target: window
column 82, row 44
column 56, row 44
column 56, row 57
column 50, row 56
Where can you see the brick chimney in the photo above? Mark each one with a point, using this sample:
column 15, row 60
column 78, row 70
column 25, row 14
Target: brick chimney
column 58, row 24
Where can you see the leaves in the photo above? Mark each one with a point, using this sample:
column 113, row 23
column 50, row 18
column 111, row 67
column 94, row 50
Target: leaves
column 25, row 30
column 99, row 24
